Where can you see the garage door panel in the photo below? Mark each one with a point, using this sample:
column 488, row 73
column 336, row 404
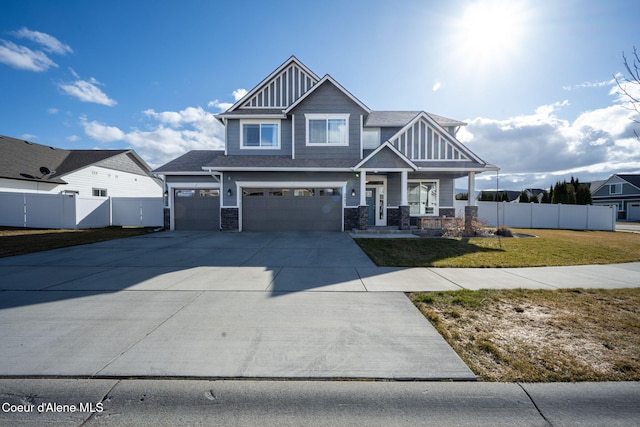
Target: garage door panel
column 197, row 210
column 287, row 212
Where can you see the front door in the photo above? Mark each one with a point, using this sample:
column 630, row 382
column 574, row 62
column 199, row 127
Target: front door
column 376, row 203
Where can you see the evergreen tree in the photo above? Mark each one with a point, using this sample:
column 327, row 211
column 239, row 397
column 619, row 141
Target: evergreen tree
column 524, row 197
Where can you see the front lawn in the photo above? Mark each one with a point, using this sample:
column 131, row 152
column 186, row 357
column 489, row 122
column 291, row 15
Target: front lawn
column 550, row 248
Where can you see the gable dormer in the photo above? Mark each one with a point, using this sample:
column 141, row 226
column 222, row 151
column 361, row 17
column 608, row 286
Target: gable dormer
column 280, row 89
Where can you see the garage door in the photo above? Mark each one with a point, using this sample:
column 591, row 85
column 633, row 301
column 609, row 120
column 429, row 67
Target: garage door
column 291, row 209
column 196, row 209
column 633, row 211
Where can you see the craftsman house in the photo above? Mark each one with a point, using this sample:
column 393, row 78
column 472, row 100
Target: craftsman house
column 621, row 190
column 304, row 154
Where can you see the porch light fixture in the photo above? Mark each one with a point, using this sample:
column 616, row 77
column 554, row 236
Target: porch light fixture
column 353, row 192
column 229, row 193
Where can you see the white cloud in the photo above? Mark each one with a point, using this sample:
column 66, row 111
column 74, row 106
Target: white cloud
column 169, row 134
column 73, row 138
column 436, row 86
column 87, row 91
column 239, row 93
column 48, row 42
column 533, row 150
column 23, row 58
column 52, row 111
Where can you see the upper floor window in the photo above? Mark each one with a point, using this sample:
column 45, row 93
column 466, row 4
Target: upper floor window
column 327, row 129
column 260, row 134
column 370, row 138
column 615, row 188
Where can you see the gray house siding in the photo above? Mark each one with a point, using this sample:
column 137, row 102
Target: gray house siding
column 327, row 99
column 385, row 158
column 386, row 133
column 233, row 140
column 627, row 190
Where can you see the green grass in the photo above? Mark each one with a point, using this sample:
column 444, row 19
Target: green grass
column 550, row 248
column 540, row 335
column 18, row 241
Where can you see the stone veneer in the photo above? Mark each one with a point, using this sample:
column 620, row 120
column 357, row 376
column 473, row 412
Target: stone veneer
column 405, row 218
column 229, row 219
column 166, row 219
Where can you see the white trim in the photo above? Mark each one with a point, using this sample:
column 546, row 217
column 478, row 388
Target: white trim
column 376, row 208
column 172, row 186
column 276, row 169
column 326, row 117
column 260, row 122
column 293, row 136
column 250, row 116
column 412, row 166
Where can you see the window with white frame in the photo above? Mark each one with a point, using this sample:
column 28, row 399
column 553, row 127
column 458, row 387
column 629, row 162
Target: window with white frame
column 327, row 129
column 370, row 138
column 615, row 188
column 260, row 134
column 422, row 197
column 100, row 192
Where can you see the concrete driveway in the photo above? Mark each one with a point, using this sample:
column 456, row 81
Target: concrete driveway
column 253, row 305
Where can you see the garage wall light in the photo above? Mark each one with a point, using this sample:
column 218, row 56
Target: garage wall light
column 229, row 192
column 353, row 192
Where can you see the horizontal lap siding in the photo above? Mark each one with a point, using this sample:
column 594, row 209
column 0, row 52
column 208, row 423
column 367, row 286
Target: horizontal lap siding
column 233, row 140
column 327, row 99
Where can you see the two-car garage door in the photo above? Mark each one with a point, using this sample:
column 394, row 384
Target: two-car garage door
column 291, row 209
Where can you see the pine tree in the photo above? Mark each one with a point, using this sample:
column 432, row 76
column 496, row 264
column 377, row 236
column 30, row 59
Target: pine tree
column 524, row 197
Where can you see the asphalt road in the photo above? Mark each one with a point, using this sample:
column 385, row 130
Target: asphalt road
column 316, row 403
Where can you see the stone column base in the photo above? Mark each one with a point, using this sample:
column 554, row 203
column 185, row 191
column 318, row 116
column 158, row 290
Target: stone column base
column 229, row 219
column 470, row 216
column 405, row 218
column 363, row 217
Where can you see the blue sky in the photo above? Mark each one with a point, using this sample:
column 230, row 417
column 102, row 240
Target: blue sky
column 533, row 79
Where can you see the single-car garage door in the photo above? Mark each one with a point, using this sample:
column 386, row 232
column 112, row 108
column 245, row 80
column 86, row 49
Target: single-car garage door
column 291, row 209
column 196, row 209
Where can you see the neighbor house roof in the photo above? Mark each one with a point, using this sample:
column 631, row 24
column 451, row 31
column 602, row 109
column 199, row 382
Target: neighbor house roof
column 631, row 179
column 28, row 161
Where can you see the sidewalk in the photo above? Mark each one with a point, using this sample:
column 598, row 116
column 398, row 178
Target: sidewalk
column 180, row 402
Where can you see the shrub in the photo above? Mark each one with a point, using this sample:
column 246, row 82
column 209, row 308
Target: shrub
column 503, row 231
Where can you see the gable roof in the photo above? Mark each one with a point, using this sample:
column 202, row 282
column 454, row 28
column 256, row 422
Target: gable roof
column 329, row 79
column 451, row 147
column 631, row 179
column 279, row 89
column 401, row 118
column 379, row 154
column 192, row 161
column 28, row 161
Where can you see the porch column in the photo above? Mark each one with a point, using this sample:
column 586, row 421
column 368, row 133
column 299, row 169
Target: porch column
column 405, row 218
column 471, row 210
column 471, row 200
column 403, row 188
column 363, row 188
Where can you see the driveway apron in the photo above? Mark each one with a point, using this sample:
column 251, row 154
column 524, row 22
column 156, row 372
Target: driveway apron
column 216, row 305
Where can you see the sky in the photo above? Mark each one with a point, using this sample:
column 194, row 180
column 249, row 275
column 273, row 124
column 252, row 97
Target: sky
column 533, row 79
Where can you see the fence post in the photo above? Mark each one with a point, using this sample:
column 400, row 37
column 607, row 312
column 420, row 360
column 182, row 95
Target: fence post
column 24, row 210
column 588, row 216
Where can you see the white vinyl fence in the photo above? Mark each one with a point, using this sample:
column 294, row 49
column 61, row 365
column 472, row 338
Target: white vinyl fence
column 536, row 215
column 35, row 210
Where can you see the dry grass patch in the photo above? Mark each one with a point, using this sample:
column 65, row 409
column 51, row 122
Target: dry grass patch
column 540, row 335
column 18, row 241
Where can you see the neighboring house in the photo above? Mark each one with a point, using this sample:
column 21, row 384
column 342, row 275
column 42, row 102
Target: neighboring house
column 27, row 167
column 303, row 153
column 622, row 191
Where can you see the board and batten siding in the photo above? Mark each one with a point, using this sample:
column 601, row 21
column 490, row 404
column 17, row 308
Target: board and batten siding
column 327, row 99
